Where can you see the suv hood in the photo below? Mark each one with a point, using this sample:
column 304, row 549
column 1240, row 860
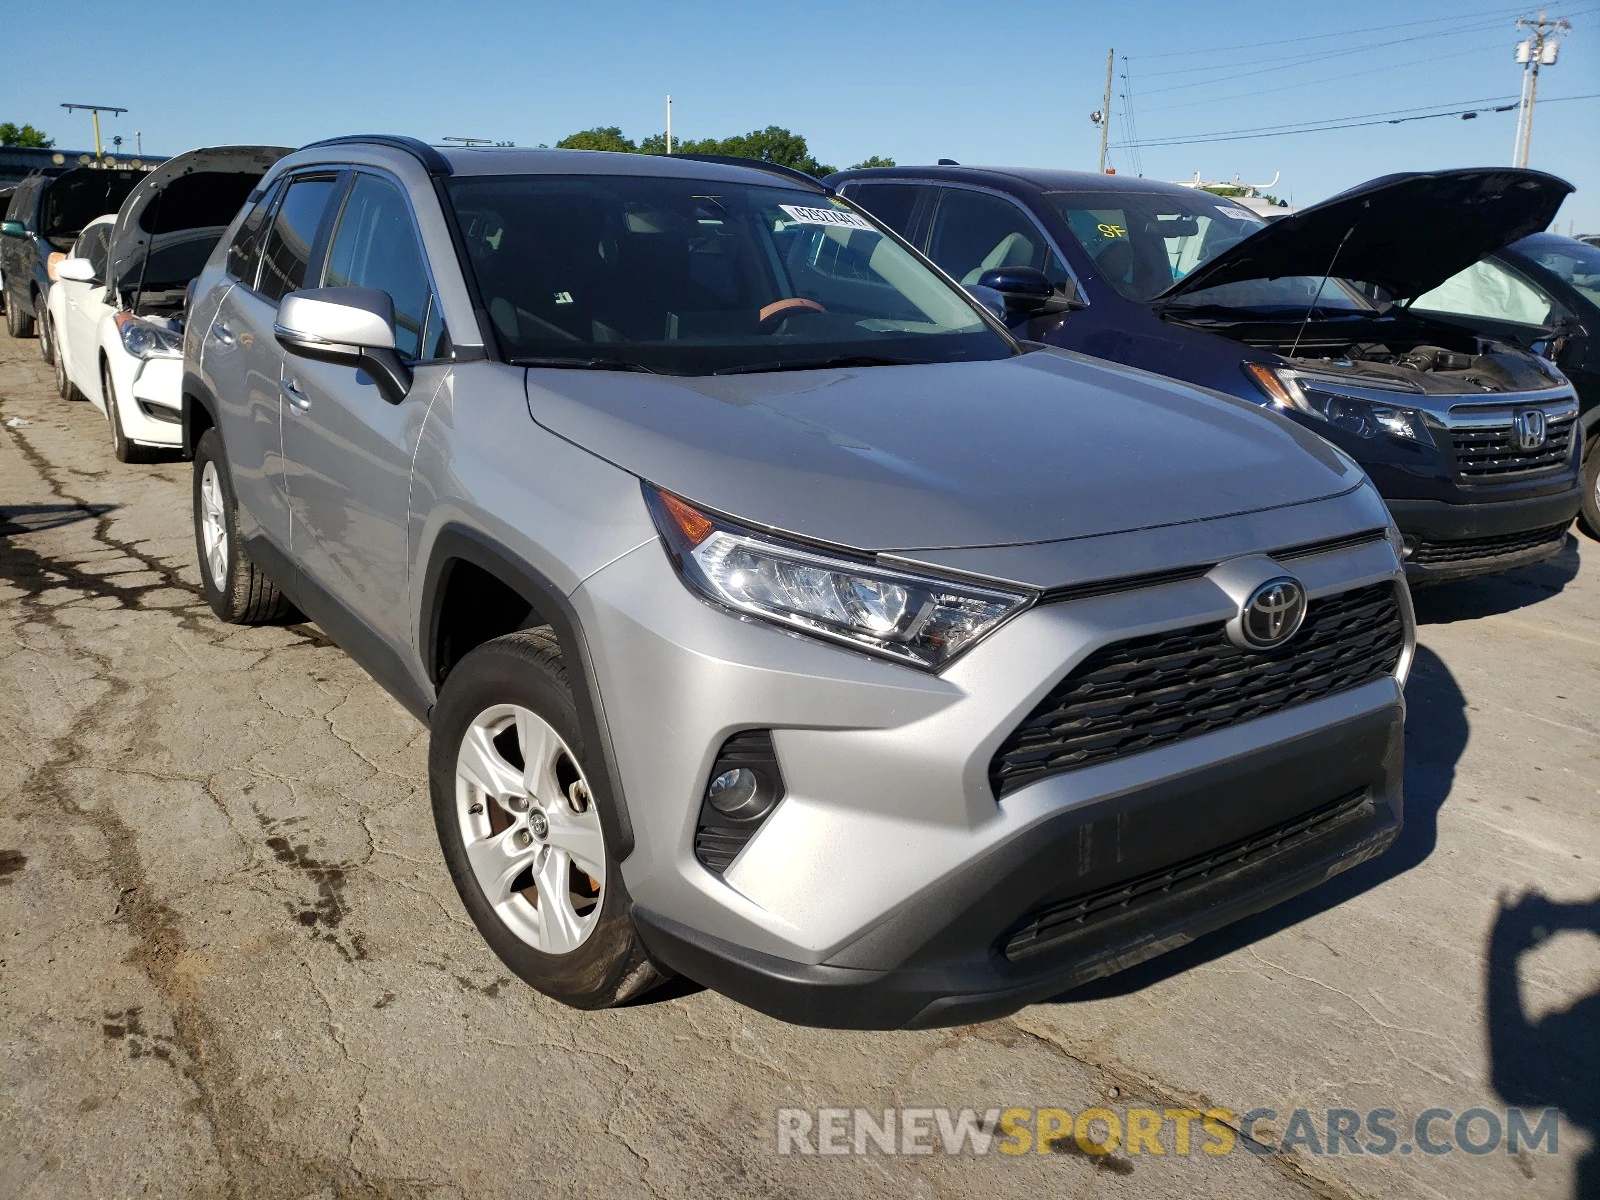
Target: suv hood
column 1035, row 448
column 1407, row 233
column 188, row 193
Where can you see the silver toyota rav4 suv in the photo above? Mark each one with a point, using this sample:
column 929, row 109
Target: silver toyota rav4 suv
column 779, row 620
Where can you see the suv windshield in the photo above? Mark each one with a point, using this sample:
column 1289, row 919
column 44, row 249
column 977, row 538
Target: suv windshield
column 1144, row 242
column 695, row 276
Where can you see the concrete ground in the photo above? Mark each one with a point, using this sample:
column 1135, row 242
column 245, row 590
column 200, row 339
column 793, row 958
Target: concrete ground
column 232, row 964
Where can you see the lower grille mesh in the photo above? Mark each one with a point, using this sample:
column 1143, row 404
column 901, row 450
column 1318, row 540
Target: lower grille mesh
column 1466, row 550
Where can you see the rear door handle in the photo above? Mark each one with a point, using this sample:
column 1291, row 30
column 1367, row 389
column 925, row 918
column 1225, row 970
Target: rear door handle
column 222, row 333
column 294, row 395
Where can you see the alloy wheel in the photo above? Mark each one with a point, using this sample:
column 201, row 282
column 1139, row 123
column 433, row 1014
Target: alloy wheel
column 214, row 525
column 531, row 833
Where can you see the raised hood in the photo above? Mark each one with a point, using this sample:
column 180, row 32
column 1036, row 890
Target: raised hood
column 1036, row 448
column 1407, row 233
column 178, row 201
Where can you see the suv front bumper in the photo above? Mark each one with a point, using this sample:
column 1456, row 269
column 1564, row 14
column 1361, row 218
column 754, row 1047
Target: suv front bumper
column 1457, row 541
column 1183, row 878
column 882, row 888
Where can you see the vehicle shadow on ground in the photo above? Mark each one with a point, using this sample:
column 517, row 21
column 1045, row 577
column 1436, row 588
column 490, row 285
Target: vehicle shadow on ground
column 1436, row 736
column 1470, row 599
column 1552, row 1062
column 36, row 518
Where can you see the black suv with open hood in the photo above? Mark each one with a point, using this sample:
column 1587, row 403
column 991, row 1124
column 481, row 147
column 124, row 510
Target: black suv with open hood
column 1471, row 441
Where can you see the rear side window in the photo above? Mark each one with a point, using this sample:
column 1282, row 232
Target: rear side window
column 376, row 246
column 891, row 203
column 287, row 252
column 244, row 255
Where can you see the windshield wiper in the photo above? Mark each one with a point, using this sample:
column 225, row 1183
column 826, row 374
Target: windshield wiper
column 818, row 364
column 573, row 363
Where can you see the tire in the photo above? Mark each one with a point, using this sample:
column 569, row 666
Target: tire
column 18, row 323
column 589, row 959
column 1589, row 514
column 126, row 451
column 64, row 386
column 237, row 590
column 47, row 344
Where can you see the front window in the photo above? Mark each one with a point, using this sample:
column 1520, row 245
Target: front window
column 1491, row 291
column 1577, row 263
column 1144, row 242
column 695, row 276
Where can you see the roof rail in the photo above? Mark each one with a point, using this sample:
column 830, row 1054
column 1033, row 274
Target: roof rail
column 756, row 164
column 432, row 161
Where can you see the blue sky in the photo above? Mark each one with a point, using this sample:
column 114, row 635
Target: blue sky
column 975, row 81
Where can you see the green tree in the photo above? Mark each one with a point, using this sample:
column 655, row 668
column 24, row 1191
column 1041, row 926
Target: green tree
column 874, row 161
column 12, row 134
column 601, row 137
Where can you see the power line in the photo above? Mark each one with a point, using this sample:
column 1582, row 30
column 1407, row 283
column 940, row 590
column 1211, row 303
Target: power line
column 1315, row 55
column 1508, row 15
column 1301, row 83
column 1306, row 127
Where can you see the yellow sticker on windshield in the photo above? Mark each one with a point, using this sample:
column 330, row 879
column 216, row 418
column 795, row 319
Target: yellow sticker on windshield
column 1112, row 231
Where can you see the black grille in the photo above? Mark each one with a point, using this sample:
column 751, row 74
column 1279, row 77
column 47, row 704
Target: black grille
column 1467, row 550
column 1490, row 454
column 1151, row 691
column 1049, row 925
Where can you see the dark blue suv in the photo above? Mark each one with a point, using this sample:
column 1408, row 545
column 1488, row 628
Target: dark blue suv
column 1472, row 442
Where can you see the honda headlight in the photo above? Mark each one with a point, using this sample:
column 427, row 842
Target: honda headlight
column 1323, row 397
column 912, row 618
column 144, row 339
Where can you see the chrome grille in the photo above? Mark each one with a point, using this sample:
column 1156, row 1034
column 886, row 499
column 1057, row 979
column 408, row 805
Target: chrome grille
column 1489, row 452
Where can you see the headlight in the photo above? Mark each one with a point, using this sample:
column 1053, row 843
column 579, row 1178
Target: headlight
column 1320, row 397
column 911, row 618
column 142, row 339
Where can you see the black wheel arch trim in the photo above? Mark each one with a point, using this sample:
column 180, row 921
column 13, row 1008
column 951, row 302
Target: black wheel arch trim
column 459, row 543
column 196, row 392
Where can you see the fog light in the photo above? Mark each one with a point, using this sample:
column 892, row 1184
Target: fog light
column 735, row 793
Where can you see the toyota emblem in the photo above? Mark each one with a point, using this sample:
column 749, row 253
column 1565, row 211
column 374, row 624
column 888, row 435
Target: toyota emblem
column 1271, row 615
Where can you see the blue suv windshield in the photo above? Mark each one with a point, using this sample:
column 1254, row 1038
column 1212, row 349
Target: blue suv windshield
column 694, row 276
column 1144, row 242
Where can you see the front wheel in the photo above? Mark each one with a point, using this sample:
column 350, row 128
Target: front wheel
column 520, row 826
column 1589, row 514
column 126, row 451
column 47, row 343
column 64, row 386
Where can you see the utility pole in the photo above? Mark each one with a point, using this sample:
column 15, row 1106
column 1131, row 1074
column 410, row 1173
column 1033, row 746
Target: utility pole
column 138, row 142
column 96, row 109
column 1539, row 49
column 669, row 122
column 1105, row 111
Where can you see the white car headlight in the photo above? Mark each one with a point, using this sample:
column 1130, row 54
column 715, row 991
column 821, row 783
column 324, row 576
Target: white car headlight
column 913, row 618
column 145, row 339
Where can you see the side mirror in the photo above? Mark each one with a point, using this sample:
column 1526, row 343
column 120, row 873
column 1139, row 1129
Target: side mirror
column 79, row 270
column 349, row 325
column 1026, row 291
column 13, row 229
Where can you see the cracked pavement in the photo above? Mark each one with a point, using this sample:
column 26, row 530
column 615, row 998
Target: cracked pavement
column 233, row 963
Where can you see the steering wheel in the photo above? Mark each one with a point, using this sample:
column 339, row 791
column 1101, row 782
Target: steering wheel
column 772, row 314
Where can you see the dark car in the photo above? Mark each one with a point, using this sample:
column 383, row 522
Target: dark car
column 46, row 214
column 1471, row 441
column 1543, row 293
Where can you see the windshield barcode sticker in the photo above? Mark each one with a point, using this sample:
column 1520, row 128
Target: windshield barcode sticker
column 1238, row 214
column 826, row 216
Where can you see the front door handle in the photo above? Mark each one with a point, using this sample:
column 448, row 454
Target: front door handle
column 222, row 333
column 294, row 395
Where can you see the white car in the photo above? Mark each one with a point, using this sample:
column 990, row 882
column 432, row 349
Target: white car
column 116, row 309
